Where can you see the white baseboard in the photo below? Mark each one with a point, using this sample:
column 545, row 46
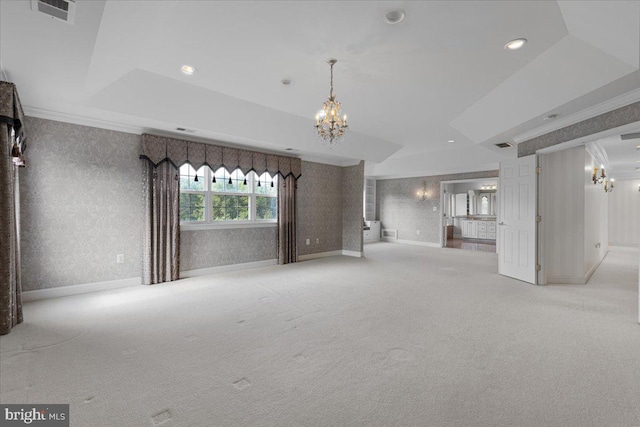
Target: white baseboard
column 225, row 268
column 65, row 291
column 352, row 253
column 594, row 268
column 566, row 281
column 328, row 254
column 626, row 245
column 412, row 242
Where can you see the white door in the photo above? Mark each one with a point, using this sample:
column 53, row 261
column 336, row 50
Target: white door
column 517, row 192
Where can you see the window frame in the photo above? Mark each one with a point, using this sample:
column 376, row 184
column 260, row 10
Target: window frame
column 209, row 222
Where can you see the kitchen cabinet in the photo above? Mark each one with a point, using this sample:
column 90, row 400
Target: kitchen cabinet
column 478, row 229
column 469, row 229
column 461, row 204
column 373, row 233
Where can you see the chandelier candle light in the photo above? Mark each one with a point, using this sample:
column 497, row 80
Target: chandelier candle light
column 598, row 179
column 331, row 123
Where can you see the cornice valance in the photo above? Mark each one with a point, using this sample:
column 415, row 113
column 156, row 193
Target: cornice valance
column 158, row 149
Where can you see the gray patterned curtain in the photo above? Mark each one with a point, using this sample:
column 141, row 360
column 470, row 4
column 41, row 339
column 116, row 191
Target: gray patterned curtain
column 161, row 234
column 12, row 142
column 287, row 250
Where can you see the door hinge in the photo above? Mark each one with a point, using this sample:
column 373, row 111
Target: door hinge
column 538, row 170
column 538, row 267
column 538, row 218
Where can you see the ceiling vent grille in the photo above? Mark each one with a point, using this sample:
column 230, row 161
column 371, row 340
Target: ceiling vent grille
column 627, row 136
column 63, row 10
column 504, row 145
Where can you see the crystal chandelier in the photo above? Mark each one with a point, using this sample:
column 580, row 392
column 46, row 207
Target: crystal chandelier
column 331, row 123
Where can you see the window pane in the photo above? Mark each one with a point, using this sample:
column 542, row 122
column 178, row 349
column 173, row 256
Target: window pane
column 266, row 207
column 265, row 184
column 218, row 186
column 187, row 178
column 191, row 207
column 240, row 177
column 230, row 208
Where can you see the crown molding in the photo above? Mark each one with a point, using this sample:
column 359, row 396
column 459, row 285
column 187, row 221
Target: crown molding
column 598, row 153
column 81, row 120
column 587, row 113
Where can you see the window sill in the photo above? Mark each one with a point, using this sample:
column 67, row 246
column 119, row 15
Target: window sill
column 202, row 226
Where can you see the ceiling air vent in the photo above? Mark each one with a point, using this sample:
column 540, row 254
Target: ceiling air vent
column 186, row 130
column 504, row 145
column 626, row 136
column 64, row 10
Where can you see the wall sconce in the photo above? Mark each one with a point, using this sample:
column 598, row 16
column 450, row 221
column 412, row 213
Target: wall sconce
column 423, row 194
column 598, row 179
column 608, row 186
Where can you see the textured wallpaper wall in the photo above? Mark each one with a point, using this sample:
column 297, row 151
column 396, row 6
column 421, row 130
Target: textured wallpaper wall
column 80, row 198
column 320, row 208
column 399, row 207
column 214, row 248
column 352, row 194
column 81, row 206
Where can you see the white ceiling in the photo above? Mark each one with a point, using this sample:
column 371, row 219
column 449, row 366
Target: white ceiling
column 408, row 88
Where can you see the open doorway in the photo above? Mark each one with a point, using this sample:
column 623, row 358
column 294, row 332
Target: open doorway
column 469, row 212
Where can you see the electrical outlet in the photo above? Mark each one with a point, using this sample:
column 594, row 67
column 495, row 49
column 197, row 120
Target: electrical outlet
column 120, row 258
column 317, row 240
column 308, row 241
column 435, row 208
column 418, row 232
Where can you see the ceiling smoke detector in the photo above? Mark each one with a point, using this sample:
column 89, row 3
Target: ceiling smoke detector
column 394, row 16
column 504, row 145
column 62, row 10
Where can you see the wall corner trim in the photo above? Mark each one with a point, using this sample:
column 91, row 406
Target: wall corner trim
column 85, row 288
column 225, row 268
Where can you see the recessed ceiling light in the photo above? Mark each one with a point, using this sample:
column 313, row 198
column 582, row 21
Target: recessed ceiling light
column 188, row 70
column 637, row 147
column 515, row 44
column 285, row 82
column 394, row 16
column 451, row 140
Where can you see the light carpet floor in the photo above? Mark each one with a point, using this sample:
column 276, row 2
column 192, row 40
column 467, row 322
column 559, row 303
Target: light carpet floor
column 408, row 336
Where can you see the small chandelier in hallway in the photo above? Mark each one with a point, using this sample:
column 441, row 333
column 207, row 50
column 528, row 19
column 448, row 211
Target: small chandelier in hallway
column 331, row 123
column 608, row 185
